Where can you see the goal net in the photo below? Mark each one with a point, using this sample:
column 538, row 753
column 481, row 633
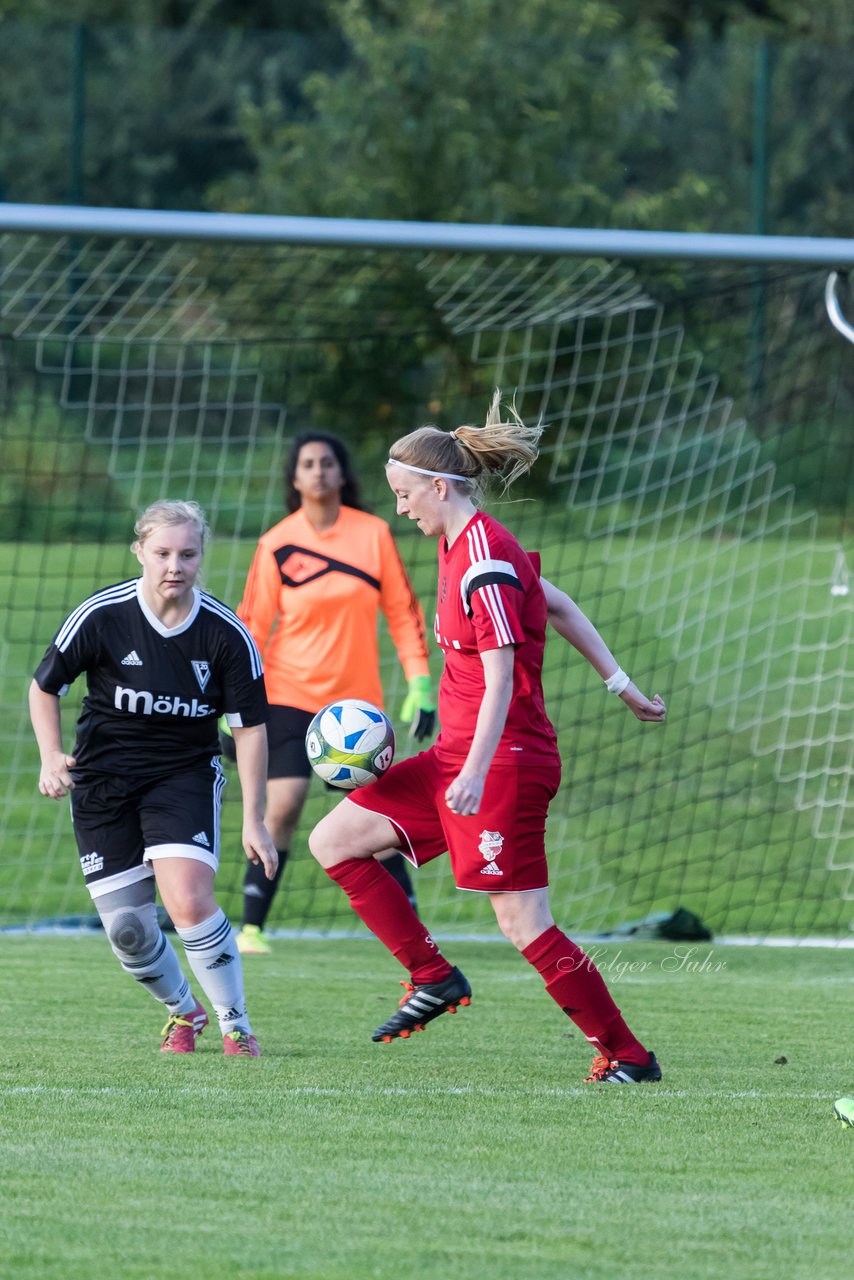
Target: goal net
column 693, row 496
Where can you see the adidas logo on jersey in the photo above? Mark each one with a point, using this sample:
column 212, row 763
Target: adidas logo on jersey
column 132, row 660
column 201, row 837
column 91, row 862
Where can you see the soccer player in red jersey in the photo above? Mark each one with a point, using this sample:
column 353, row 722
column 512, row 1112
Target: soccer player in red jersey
column 483, row 790
column 163, row 661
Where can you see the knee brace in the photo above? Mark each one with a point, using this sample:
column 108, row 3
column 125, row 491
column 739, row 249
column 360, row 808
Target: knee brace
column 130, row 922
column 133, row 931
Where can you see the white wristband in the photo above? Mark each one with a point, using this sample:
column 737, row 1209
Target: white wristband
column 618, row 681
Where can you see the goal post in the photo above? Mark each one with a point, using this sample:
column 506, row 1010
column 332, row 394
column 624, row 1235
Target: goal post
column 693, row 495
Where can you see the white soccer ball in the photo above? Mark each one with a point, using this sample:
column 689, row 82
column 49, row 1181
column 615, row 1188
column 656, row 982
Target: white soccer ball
column 350, row 743
column 844, row 1111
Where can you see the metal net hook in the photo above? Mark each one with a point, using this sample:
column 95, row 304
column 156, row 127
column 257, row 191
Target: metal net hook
column 834, row 309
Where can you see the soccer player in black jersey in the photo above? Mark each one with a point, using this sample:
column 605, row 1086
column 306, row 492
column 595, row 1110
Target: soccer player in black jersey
column 163, row 661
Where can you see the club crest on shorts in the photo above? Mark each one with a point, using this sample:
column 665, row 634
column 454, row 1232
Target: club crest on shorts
column 491, row 844
column 203, row 673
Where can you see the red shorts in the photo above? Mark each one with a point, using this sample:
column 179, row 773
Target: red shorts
column 501, row 849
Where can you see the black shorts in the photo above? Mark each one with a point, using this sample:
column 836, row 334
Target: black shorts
column 122, row 825
column 286, row 730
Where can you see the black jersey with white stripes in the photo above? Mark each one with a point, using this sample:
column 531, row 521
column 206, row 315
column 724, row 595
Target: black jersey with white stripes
column 154, row 693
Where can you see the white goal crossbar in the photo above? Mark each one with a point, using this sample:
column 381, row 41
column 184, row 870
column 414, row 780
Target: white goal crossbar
column 376, row 234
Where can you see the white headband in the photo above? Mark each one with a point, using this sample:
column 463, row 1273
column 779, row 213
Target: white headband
column 422, row 471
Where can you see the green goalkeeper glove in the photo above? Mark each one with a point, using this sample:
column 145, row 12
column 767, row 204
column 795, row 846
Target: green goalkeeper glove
column 419, row 708
column 226, row 740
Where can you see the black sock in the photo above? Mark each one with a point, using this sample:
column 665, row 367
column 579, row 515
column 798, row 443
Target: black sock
column 398, row 867
column 259, row 892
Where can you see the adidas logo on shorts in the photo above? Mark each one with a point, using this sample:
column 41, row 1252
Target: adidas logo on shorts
column 491, row 844
column 201, row 837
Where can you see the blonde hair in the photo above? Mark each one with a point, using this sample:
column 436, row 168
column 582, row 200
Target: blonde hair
column 169, row 511
column 504, row 447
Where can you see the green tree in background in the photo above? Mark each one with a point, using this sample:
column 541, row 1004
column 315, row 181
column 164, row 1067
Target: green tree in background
column 156, row 97
column 781, row 61
column 581, row 112
column 561, row 112
column 287, row 15
column 487, row 111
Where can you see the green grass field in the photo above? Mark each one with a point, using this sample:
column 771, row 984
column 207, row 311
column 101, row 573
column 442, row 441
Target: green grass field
column 473, row 1150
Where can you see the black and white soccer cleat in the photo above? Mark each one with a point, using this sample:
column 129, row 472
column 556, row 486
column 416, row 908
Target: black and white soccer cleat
column 422, row 1004
column 611, row 1071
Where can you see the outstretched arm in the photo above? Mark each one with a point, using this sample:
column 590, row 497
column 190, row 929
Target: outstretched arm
column 569, row 622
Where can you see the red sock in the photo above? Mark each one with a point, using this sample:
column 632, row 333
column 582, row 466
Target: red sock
column 574, row 982
column 382, row 905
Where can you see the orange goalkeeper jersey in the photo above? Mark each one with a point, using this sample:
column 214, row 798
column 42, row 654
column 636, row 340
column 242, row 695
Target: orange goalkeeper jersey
column 311, row 602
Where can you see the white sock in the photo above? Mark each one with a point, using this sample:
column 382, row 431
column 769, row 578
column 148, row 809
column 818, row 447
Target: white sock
column 143, row 950
column 212, row 952
column 162, row 977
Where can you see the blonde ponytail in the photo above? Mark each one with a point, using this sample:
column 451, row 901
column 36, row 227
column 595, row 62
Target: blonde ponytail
column 504, row 446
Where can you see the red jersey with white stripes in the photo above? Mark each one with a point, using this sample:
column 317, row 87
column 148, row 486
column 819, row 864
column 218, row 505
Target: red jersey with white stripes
column 490, row 596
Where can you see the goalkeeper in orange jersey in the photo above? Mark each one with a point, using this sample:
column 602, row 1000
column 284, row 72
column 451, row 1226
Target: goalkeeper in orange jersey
column 317, row 583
